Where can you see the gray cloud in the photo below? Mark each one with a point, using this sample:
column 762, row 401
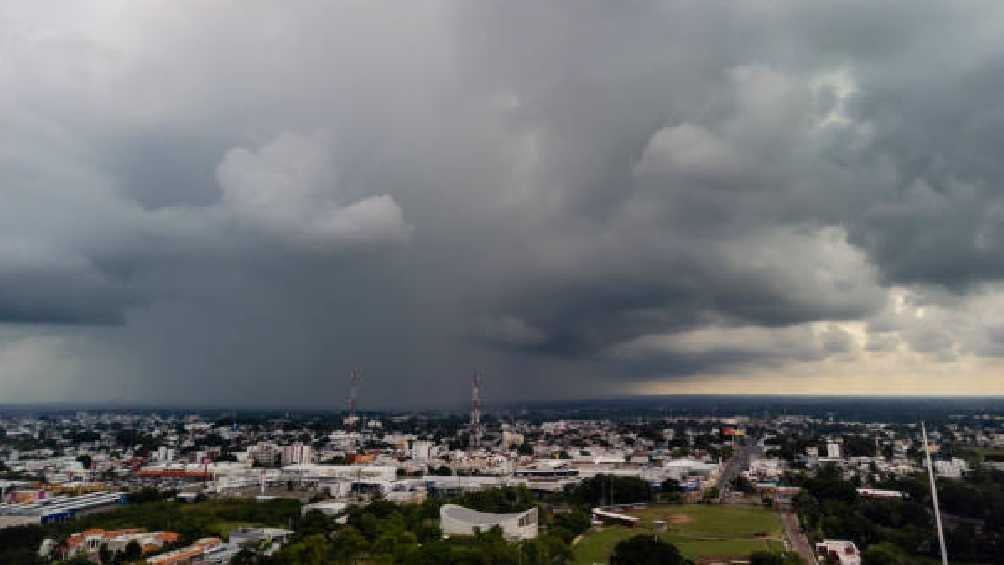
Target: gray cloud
column 248, row 202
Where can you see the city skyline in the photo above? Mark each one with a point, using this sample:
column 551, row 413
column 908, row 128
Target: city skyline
column 237, row 204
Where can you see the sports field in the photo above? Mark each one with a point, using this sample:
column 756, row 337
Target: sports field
column 698, row 530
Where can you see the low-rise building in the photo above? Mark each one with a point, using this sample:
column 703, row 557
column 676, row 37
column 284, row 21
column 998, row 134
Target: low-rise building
column 843, row 552
column 185, row 555
column 459, row 521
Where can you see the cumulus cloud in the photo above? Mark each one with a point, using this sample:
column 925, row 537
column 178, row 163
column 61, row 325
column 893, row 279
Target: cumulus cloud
column 290, row 187
column 233, row 197
column 689, row 150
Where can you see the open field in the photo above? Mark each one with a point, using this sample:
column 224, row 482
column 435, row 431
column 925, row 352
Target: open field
column 698, row 530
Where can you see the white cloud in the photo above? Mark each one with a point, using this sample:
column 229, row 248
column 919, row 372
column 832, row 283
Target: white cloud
column 689, row 150
column 290, row 187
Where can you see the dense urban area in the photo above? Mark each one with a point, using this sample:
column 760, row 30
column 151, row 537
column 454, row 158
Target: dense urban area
column 829, row 483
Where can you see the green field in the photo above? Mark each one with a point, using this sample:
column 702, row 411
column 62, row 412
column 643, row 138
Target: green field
column 698, row 530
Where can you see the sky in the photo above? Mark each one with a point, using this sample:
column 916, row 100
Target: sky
column 236, row 203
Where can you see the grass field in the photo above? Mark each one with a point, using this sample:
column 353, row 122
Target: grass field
column 698, row 530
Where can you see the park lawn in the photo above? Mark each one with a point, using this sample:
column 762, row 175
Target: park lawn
column 597, row 545
column 698, row 530
column 714, row 520
column 695, row 549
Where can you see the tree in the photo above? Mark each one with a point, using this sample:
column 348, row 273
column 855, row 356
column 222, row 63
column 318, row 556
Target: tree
column 671, row 485
column 133, row 551
column 646, row 549
column 885, row 554
column 711, row 494
column 104, row 554
column 85, row 460
column 348, row 543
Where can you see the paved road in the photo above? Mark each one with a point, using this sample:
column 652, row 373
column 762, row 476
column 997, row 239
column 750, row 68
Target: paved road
column 739, row 462
column 796, row 538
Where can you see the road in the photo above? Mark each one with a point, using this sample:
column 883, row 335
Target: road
column 796, row 538
column 740, row 461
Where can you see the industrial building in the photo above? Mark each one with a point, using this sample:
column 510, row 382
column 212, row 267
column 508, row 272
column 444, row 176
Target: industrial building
column 62, row 508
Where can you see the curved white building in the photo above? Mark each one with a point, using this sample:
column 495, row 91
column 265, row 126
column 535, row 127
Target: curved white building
column 456, row 520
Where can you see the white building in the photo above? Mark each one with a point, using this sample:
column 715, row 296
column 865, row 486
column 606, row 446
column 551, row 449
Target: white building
column 459, row 521
column 951, row 469
column 841, row 551
column 511, row 439
column 327, row 507
column 833, row 450
column 297, row 454
column 420, row 450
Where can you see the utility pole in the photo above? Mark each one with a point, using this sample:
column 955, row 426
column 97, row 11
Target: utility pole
column 934, row 495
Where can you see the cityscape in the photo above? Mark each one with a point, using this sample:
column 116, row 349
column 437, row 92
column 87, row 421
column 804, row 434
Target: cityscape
column 838, row 480
column 501, row 282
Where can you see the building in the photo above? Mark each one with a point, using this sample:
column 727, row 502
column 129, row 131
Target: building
column 953, row 469
column 89, row 542
column 608, row 517
column 328, row 508
column 459, row 521
column 297, row 454
column 511, row 440
column 881, row 494
column 62, row 508
column 263, row 540
column 833, row 450
column 842, row 552
column 185, row 555
column 264, row 454
column 421, row 450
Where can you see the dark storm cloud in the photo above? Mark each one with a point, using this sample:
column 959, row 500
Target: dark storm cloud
column 263, row 197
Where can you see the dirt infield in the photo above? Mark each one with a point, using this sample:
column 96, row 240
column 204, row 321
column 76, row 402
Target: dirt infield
column 677, row 519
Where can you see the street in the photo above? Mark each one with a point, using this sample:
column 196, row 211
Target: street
column 797, row 539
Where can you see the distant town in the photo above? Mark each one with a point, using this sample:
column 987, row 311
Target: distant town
column 520, row 486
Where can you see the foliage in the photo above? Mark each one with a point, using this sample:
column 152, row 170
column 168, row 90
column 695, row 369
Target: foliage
column 150, row 494
column 885, row 554
column 192, row 521
column 19, row 544
column 85, row 460
column 830, row 508
column 133, row 551
column 499, row 500
column 646, row 550
column 610, row 489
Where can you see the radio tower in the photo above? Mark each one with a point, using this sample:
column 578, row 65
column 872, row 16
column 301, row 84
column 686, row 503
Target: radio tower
column 352, row 419
column 476, row 411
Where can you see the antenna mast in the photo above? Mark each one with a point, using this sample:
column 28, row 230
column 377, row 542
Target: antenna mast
column 476, row 411
column 352, row 419
column 934, row 495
